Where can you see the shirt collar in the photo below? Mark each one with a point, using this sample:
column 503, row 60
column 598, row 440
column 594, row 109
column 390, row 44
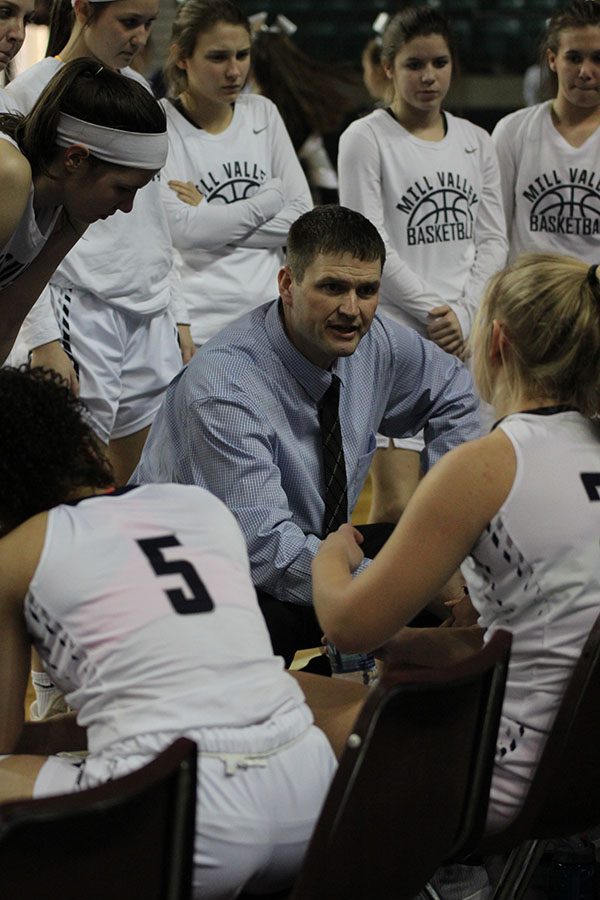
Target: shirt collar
column 313, row 379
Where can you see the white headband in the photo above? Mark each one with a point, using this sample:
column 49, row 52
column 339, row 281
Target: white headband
column 124, row 148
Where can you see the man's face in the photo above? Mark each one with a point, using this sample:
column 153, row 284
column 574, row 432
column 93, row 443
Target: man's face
column 328, row 312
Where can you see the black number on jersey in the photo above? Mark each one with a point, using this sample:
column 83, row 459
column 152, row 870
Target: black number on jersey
column 591, row 483
column 200, row 600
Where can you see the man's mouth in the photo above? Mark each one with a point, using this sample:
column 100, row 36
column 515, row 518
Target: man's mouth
column 344, row 329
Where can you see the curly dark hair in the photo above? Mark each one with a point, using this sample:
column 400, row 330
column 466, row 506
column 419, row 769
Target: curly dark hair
column 48, row 447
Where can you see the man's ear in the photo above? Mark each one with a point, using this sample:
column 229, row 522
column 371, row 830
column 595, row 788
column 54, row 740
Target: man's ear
column 284, row 280
column 75, row 156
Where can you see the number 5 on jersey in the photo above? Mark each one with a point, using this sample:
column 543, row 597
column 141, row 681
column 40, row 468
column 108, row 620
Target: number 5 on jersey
column 200, row 600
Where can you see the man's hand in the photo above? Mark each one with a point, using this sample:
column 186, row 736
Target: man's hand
column 186, row 191
column 346, row 540
column 444, row 329
column 52, row 356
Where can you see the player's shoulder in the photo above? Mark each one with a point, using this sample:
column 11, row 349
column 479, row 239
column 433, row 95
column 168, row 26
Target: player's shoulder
column 370, row 125
column 14, row 165
column 256, row 103
column 465, row 130
column 519, row 122
column 26, row 87
column 177, row 124
column 134, row 75
column 256, row 112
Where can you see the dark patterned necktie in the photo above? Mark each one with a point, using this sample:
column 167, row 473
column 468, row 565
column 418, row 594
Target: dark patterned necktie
column 336, row 499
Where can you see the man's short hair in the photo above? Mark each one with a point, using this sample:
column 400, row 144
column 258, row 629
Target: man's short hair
column 328, row 231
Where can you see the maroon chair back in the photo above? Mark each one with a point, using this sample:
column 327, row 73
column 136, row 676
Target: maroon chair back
column 130, row 838
column 412, row 785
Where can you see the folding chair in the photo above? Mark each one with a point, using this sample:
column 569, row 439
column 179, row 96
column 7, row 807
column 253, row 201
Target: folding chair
column 130, row 838
column 412, row 785
column 564, row 797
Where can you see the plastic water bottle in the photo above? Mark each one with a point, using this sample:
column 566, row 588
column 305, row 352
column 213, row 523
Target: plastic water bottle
column 359, row 667
column 573, row 874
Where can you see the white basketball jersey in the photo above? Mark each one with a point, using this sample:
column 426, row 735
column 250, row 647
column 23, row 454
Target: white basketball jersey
column 144, row 613
column 536, row 572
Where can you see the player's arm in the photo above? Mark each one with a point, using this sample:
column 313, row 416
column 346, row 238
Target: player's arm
column 297, row 197
column 19, row 553
column 503, row 138
column 211, row 226
column 491, row 244
column 15, row 184
column 17, row 298
column 442, row 522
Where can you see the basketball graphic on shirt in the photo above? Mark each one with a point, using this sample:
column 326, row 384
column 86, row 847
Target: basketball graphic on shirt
column 233, row 190
column 568, row 201
column 442, row 214
column 441, row 207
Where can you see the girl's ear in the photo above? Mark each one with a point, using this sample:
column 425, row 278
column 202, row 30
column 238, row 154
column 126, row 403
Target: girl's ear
column 551, row 58
column 74, row 157
column 498, row 343
column 181, row 62
column 82, row 8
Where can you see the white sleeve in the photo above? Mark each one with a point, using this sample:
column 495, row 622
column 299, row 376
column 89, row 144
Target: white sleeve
column 359, row 172
column 504, row 144
column 491, row 245
column 40, row 325
column 177, row 302
column 298, row 199
column 210, row 226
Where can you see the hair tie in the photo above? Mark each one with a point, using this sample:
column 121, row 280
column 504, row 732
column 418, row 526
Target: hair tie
column 282, row 25
column 592, row 277
column 257, row 20
column 379, row 25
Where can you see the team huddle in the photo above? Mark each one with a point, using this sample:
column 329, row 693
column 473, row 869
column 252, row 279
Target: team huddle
column 202, row 369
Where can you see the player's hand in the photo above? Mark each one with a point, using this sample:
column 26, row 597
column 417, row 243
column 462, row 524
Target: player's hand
column 52, row 356
column 186, row 191
column 463, row 614
column 346, row 540
column 186, row 343
column 444, row 329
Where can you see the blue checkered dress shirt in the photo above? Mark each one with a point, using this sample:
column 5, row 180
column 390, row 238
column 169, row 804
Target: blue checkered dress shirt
column 242, row 421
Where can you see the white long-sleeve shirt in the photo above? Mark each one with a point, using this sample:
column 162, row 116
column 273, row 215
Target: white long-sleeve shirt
column 551, row 189
column 230, row 245
column 438, row 207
